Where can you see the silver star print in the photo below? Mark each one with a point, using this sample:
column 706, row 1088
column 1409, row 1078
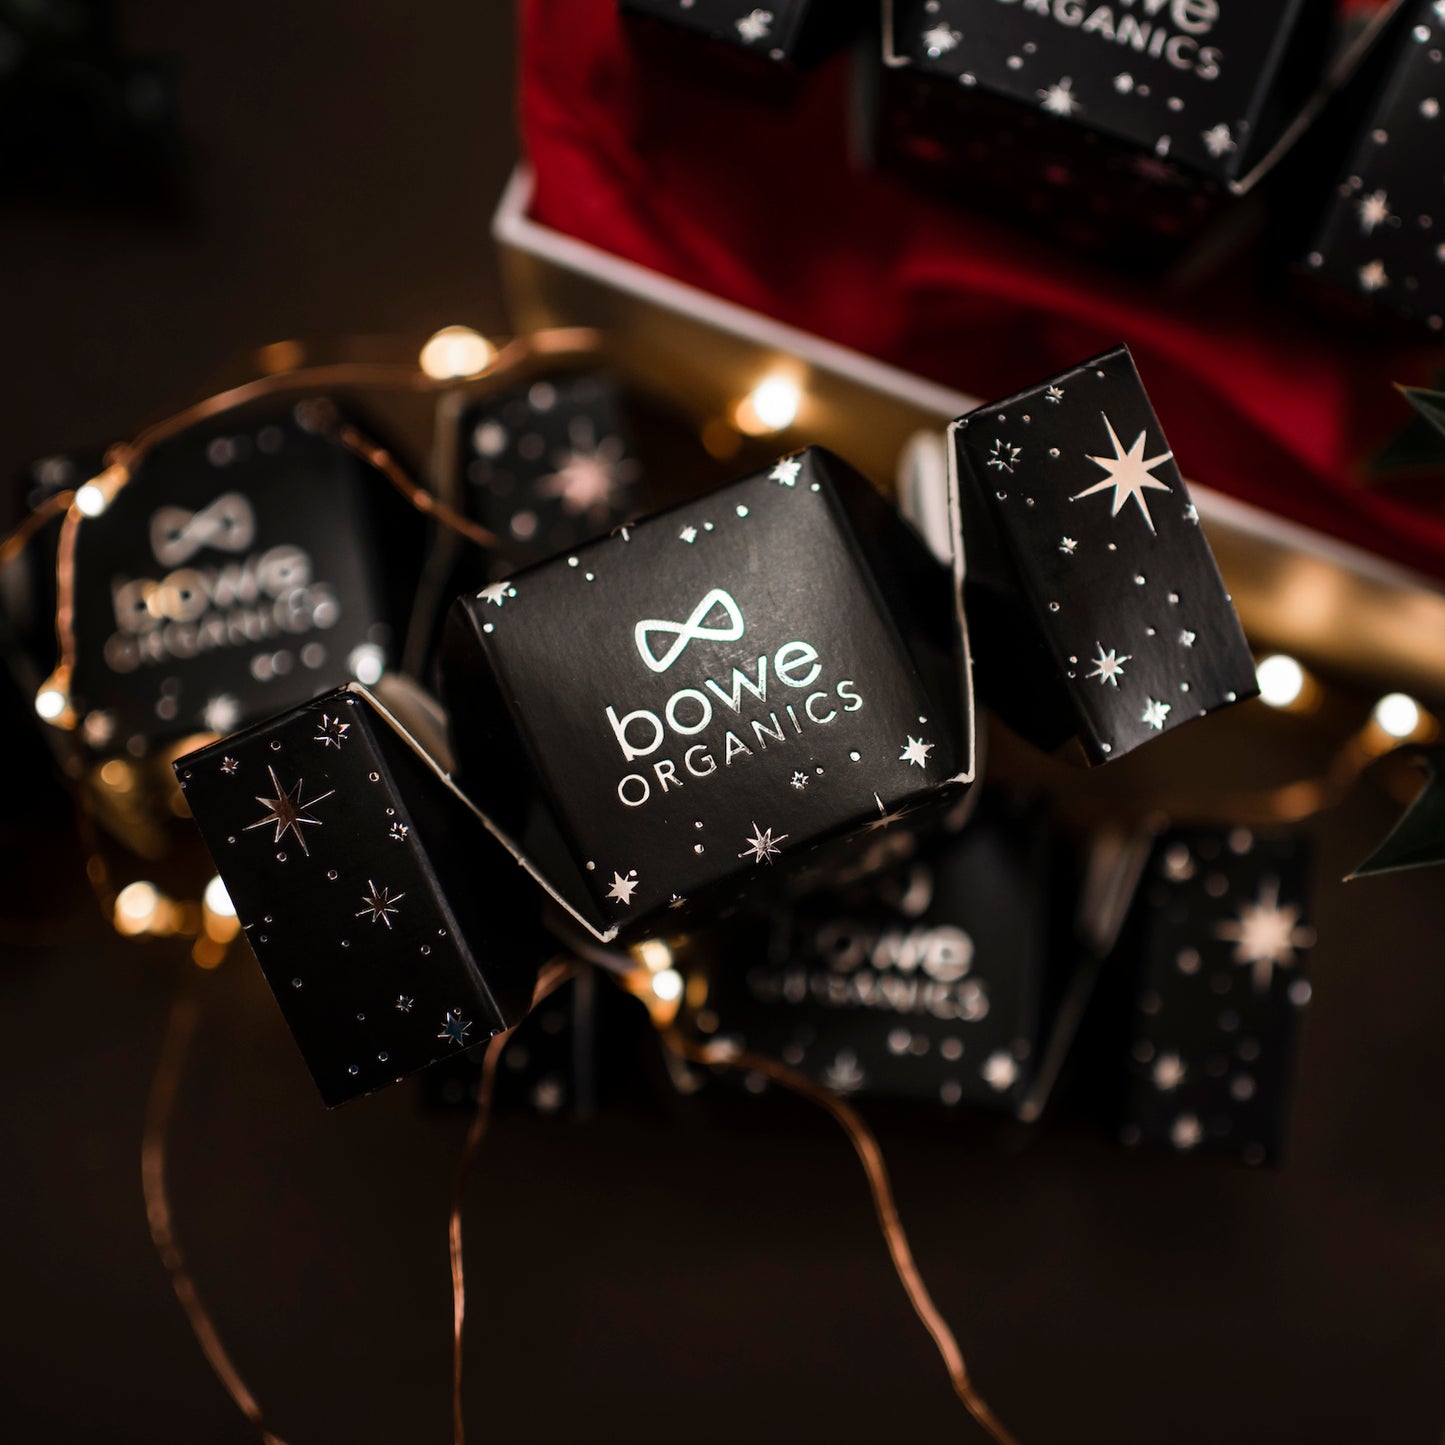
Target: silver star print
column 843, row 1075
column 221, row 713
column 916, row 752
column 1185, row 1132
column 1154, row 714
column 332, row 732
column 1373, row 276
column 1265, row 935
column 1178, row 863
column 1218, row 141
column 800, row 781
column 1191, row 514
column 379, row 904
column 455, row 1027
column 587, row 482
column 1054, row 394
column 623, row 888
column 497, row 593
column 1003, row 456
column 1186, row 638
column 1058, row 99
column 1068, row 546
column 403, row 1003
column 1128, row 474
column 1108, row 666
column 288, row 812
column 1169, row 1071
column 886, row 818
column 761, row 847
column 1000, row 1070
column 229, row 766
column 940, row 39
column 755, row 25
column 688, row 535
column 1374, row 211
column 786, row 471
column 398, row 832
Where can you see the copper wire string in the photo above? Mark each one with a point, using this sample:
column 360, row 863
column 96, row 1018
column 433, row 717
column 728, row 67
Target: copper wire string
column 895, row 1237
column 31, row 523
column 551, row 978
column 180, row 1030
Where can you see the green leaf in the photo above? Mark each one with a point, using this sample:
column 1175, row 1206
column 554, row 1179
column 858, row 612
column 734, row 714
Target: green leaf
column 1418, row 839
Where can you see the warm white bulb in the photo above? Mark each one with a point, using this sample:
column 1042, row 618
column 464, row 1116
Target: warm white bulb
column 50, row 702
column 91, row 500
column 456, row 351
column 367, row 662
column 1397, row 715
column 667, row 985
column 218, row 900
column 774, row 402
column 1281, row 680
column 137, row 902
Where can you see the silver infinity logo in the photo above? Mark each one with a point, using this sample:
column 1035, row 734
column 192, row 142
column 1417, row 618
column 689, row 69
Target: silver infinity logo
column 177, row 535
column 693, row 629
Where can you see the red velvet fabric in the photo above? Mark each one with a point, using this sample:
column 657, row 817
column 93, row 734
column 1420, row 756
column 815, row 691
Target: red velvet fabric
column 741, row 182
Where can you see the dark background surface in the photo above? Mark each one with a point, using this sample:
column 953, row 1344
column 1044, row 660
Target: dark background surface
column 665, row 1272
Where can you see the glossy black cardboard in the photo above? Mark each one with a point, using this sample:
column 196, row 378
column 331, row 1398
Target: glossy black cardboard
column 1212, row 980
column 1380, row 230
column 1097, row 608
column 939, row 981
column 677, row 711
column 1202, row 84
column 393, row 928
column 238, row 573
column 799, row 31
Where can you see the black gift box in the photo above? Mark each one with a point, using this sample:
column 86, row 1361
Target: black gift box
column 1381, row 234
column 1125, row 129
column 1098, row 610
column 1211, row 979
column 550, row 465
column 800, row 31
column 393, row 928
column 577, row 1052
column 940, row 981
column 681, row 709
column 236, row 574
column 1202, row 83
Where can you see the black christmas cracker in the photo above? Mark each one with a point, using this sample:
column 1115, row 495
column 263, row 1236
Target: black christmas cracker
column 674, row 712
column 386, row 917
column 236, row 574
column 1098, row 611
column 1212, row 966
column 799, row 31
column 940, row 981
column 1199, row 83
column 1381, row 236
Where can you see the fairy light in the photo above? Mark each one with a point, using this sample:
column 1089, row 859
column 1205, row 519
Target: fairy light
column 136, row 906
column 771, row 406
column 50, row 703
column 217, row 900
column 455, row 352
column 667, row 985
column 1398, row 715
column 91, row 500
column 1281, row 680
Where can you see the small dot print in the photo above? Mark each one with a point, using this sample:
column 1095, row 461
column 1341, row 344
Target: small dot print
column 854, row 757
column 571, row 561
column 295, row 983
column 591, row 867
column 275, row 747
column 698, row 848
column 742, row 511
